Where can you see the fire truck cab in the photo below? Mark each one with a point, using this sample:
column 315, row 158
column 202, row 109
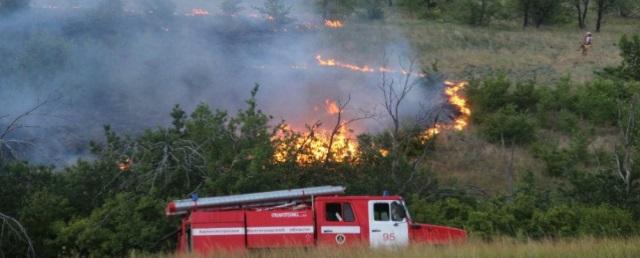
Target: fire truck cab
column 301, row 218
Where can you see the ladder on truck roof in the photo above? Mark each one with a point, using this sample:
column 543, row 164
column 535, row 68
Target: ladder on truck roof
column 179, row 207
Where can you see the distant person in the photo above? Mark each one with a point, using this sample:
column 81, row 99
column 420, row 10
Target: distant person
column 586, row 43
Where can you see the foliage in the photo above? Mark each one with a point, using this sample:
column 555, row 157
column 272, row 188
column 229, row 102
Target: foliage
column 9, row 6
column 276, row 11
column 630, row 52
column 231, row 7
column 508, row 126
column 161, row 9
column 332, row 10
column 125, row 222
column 373, row 10
column 473, row 12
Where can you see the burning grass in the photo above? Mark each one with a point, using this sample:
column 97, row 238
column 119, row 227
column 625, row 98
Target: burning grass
column 453, row 92
column 507, row 247
column 333, row 24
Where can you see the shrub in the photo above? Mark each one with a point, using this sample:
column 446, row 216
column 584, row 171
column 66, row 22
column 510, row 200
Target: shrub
column 558, row 221
column 630, row 52
column 605, row 220
column 509, row 126
column 598, row 101
column 488, row 95
column 373, row 10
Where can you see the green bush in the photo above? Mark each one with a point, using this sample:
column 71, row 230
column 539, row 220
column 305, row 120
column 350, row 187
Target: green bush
column 605, row 220
column 125, row 222
column 558, row 221
column 488, row 95
column 525, row 96
column 509, row 126
column 598, row 101
column 630, row 52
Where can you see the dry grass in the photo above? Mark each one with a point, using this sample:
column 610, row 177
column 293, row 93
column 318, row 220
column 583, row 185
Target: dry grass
column 544, row 54
column 466, row 52
column 478, row 165
column 584, row 248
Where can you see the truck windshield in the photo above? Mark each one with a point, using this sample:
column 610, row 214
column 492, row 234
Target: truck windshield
column 398, row 212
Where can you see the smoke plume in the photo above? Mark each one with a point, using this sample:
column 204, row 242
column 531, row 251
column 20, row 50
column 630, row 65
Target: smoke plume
column 127, row 63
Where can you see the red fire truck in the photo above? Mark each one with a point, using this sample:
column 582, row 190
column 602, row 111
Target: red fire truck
column 300, row 218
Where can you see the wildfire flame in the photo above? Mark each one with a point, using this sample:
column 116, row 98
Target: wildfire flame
column 455, row 98
column 198, row 12
column 331, row 107
column 330, row 62
column 125, row 164
column 316, row 146
column 319, row 145
column 333, row 24
column 340, row 146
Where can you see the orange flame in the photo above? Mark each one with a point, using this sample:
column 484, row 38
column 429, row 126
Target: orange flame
column 319, row 146
column 330, row 62
column 384, row 152
column 125, row 165
column 333, row 24
column 198, row 12
column 316, row 146
column 455, row 98
column 331, row 107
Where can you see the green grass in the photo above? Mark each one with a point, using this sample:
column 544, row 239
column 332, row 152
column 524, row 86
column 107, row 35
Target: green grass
column 583, row 248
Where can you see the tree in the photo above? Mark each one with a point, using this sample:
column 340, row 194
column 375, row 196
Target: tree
column 14, row 235
column 582, row 7
column 630, row 52
column 124, row 222
column 478, row 12
column 543, row 11
column 525, row 8
column 8, row 145
column 509, row 128
column 276, row 11
column 231, row 7
column 335, row 9
column 538, row 11
column 160, row 9
column 602, row 6
column 627, row 152
column 627, row 8
column 421, row 8
column 9, row 6
column 373, row 9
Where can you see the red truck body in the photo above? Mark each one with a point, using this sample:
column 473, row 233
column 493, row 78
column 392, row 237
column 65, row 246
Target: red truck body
column 303, row 221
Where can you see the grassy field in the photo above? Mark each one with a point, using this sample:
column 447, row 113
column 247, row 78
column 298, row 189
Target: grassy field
column 544, row 54
column 465, row 52
column 583, row 248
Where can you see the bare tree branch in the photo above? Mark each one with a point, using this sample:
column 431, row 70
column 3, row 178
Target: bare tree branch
column 624, row 152
column 18, row 231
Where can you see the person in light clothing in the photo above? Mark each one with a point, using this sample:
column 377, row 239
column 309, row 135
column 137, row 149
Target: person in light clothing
column 586, row 43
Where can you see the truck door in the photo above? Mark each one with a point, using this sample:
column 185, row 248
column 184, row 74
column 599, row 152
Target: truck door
column 338, row 224
column 388, row 224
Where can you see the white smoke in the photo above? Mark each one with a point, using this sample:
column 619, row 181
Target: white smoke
column 101, row 64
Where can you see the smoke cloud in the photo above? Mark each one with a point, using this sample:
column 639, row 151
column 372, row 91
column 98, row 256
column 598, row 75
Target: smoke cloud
column 127, row 63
